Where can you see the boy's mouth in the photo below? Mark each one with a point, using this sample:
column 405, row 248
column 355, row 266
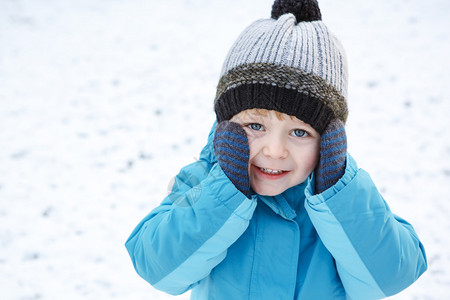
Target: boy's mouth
column 271, row 171
column 269, row 174
column 274, row 173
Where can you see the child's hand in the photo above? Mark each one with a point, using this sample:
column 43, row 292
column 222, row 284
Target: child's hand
column 333, row 153
column 232, row 152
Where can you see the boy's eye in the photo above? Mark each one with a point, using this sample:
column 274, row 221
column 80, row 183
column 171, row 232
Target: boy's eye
column 256, row 126
column 299, row 133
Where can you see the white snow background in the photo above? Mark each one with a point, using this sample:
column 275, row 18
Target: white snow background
column 102, row 102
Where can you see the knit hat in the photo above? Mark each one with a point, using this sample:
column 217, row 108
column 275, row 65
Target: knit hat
column 290, row 63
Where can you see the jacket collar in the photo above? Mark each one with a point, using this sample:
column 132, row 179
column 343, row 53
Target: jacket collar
column 286, row 203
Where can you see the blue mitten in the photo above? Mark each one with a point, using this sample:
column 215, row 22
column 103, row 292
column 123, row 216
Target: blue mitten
column 333, row 154
column 232, row 152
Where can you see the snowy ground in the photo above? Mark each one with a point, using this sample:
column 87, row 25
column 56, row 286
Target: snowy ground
column 102, row 102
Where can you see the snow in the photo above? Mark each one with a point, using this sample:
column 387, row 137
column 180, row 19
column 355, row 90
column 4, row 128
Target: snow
column 102, row 102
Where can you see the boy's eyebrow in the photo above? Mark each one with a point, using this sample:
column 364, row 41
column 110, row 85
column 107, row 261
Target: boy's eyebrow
column 255, row 117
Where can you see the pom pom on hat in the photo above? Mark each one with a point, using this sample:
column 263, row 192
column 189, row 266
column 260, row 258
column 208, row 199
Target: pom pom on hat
column 303, row 10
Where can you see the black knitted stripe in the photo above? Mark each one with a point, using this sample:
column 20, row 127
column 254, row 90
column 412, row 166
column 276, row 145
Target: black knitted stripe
column 236, row 159
column 332, row 165
column 247, row 96
column 334, row 157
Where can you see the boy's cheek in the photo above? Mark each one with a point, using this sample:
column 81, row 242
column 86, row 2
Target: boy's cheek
column 252, row 145
column 314, row 160
column 251, row 135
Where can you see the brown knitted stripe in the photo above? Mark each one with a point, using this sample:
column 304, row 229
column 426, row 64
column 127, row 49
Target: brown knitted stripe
column 288, row 78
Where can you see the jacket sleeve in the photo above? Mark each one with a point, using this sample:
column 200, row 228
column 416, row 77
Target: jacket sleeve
column 377, row 253
column 188, row 234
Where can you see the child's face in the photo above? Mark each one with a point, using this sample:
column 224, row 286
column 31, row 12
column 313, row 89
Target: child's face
column 283, row 150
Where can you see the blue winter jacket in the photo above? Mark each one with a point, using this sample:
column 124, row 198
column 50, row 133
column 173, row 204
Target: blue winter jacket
column 344, row 243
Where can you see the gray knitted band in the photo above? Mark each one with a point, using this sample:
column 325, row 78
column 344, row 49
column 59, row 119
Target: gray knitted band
column 286, row 77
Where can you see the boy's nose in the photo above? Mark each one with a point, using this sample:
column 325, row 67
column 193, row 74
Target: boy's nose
column 275, row 148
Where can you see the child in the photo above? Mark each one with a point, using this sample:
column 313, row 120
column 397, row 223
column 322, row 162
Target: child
column 275, row 208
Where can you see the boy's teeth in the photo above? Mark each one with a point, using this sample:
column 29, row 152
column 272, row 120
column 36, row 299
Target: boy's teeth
column 270, row 171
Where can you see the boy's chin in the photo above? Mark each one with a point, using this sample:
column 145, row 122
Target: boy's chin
column 268, row 191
